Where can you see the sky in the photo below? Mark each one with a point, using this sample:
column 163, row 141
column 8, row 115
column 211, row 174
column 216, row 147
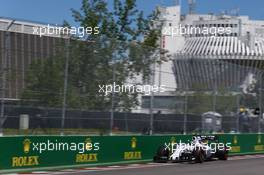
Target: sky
column 55, row 11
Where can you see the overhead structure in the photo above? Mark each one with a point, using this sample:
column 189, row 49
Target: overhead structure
column 192, row 6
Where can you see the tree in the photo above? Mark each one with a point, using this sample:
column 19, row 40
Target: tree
column 127, row 43
column 44, row 82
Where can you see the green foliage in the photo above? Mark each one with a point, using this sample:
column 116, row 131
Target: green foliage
column 45, row 82
column 200, row 102
column 127, row 43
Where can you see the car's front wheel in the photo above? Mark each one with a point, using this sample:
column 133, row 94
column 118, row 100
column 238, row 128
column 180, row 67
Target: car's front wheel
column 162, row 154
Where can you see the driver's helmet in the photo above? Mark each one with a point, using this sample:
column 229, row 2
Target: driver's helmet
column 196, row 139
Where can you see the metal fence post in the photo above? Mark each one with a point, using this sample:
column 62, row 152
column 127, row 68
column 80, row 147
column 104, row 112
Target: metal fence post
column 152, row 100
column 66, row 71
column 185, row 114
column 113, row 99
column 7, row 44
column 260, row 103
column 238, row 109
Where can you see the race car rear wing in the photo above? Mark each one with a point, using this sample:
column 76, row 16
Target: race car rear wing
column 209, row 137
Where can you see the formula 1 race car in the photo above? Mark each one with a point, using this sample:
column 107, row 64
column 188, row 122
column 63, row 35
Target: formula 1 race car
column 201, row 148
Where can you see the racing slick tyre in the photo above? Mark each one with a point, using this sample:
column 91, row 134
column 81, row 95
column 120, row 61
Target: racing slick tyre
column 222, row 155
column 199, row 155
column 162, row 154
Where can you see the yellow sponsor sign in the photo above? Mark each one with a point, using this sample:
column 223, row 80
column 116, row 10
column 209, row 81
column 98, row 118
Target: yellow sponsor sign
column 25, row 161
column 259, row 139
column 26, row 146
column 133, row 143
column 132, row 155
column 259, row 147
column 81, row 158
column 235, row 149
column 173, row 140
column 235, row 140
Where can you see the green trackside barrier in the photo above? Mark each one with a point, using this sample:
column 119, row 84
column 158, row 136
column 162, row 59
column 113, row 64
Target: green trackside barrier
column 244, row 143
column 27, row 152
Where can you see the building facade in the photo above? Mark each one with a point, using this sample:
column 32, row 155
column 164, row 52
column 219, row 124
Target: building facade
column 210, row 52
column 20, row 45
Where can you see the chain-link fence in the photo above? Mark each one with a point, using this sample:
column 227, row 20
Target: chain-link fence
column 51, row 86
column 48, row 121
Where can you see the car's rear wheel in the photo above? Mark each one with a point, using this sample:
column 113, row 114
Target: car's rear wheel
column 199, row 155
column 222, row 155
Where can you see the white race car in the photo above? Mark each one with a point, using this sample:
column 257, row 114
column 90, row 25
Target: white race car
column 197, row 150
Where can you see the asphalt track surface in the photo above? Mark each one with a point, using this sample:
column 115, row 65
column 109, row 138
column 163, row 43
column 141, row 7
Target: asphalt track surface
column 238, row 165
column 232, row 167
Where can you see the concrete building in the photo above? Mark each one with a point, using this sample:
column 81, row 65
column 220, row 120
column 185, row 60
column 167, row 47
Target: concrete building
column 209, row 52
column 20, row 45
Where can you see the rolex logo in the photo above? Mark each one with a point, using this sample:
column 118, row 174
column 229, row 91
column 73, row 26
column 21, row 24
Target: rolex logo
column 235, row 141
column 173, row 140
column 259, row 139
column 26, row 144
column 133, row 142
column 88, row 140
